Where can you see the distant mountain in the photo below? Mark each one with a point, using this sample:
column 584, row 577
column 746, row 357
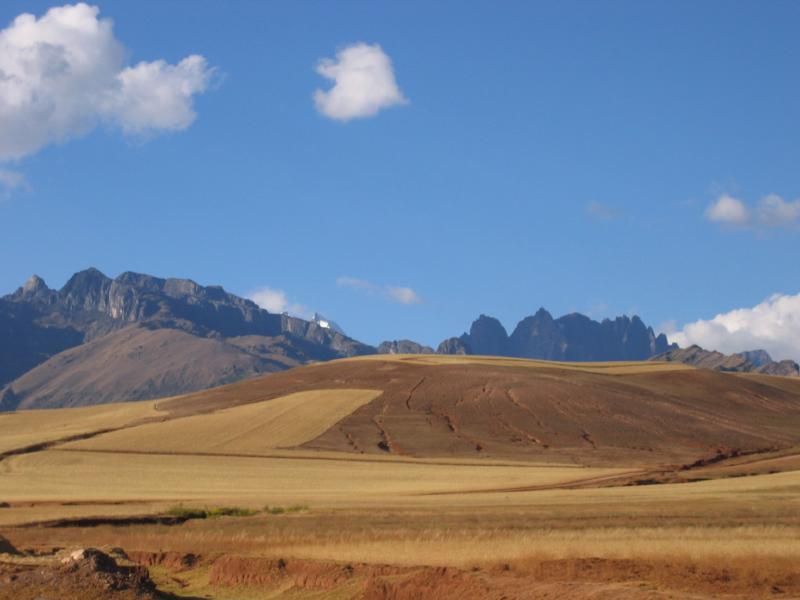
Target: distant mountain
column 573, row 337
column 403, row 347
column 99, row 339
column 754, row 361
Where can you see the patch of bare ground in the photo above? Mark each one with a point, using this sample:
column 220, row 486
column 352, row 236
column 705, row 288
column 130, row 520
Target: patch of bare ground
column 566, row 578
column 83, row 575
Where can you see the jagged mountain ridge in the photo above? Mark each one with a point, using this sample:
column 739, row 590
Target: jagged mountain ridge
column 38, row 324
column 573, row 337
column 753, row 361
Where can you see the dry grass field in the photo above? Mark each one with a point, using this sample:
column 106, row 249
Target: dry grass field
column 608, row 368
column 26, row 428
column 376, row 487
column 283, row 422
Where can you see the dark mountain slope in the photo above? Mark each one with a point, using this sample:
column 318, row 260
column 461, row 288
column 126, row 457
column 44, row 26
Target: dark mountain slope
column 214, row 337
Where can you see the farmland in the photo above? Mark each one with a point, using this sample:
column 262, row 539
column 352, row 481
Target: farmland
column 368, row 472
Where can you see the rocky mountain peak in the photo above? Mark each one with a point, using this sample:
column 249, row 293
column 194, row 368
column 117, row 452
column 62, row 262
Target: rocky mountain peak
column 86, row 290
column 34, row 289
column 33, row 285
column 488, row 336
column 757, row 357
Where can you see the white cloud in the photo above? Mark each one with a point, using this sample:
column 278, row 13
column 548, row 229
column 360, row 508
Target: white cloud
column 403, row 295
column 729, row 211
column 364, row 83
column 393, row 293
column 772, row 211
column 276, row 301
column 773, row 325
column 63, row 73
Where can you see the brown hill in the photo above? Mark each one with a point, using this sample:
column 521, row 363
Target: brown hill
column 589, row 413
column 139, row 363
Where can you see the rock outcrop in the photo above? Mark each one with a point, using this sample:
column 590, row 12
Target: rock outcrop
column 403, row 347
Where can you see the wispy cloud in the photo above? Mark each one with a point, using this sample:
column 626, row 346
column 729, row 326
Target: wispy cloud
column 9, row 181
column 770, row 212
column 598, row 211
column 392, row 293
column 773, row 325
column 364, row 83
column 276, row 301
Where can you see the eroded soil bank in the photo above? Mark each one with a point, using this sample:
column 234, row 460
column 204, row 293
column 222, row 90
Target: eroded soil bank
column 114, row 574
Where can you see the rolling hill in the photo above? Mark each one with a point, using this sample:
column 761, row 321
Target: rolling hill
column 431, row 406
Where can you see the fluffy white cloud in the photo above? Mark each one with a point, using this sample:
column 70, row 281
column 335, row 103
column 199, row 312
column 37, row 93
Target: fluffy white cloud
column 63, row 73
column 276, row 301
column 364, row 83
column 771, row 211
column 729, row 211
column 773, row 325
column 399, row 294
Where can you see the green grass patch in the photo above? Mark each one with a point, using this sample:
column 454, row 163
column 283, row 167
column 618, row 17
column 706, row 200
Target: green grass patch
column 186, row 512
column 230, row 511
column 282, row 510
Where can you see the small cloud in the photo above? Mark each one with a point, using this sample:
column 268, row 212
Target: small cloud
column 364, row 83
column 602, row 212
column 392, row 293
column 728, row 210
column 276, row 301
column 771, row 212
column 773, row 325
column 403, row 295
column 774, row 211
column 356, row 284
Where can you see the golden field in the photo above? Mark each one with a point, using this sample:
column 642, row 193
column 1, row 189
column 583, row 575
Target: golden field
column 490, row 500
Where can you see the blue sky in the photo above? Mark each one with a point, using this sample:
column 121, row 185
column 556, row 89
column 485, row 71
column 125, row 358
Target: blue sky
column 560, row 154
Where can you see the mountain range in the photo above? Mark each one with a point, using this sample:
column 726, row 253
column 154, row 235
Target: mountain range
column 755, row 361
column 99, row 339
column 136, row 336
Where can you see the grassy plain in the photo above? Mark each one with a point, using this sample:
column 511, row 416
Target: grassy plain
column 26, row 428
